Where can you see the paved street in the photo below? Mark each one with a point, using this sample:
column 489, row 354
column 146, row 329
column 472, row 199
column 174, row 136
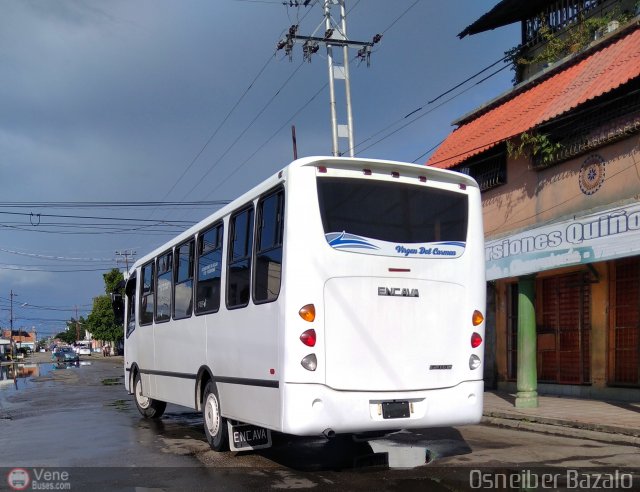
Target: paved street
column 78, row 419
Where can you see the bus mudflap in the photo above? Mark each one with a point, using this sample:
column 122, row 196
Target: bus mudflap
column 247, row 437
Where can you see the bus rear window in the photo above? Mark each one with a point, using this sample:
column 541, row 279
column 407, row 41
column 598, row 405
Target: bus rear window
column 392, row 212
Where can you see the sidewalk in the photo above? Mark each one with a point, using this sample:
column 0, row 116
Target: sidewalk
column 572, row 417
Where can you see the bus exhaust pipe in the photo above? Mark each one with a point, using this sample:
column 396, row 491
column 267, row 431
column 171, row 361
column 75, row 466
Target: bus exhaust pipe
column 329, row 433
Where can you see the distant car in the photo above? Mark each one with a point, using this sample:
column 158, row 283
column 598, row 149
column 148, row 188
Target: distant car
column 83, row 350
column 65, row 354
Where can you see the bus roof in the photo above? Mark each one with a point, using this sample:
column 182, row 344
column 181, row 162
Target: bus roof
column 431, row 173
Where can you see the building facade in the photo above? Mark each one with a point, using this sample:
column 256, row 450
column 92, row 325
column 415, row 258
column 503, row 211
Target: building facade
column 20, row 338
column 558, row 160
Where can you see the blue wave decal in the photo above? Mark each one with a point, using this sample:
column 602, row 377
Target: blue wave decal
column 453, row 243
column 344, row 240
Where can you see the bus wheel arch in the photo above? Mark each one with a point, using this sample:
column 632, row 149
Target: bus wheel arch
column 132, row 374
column 215, row 425
column 148, row 407
column 204, row 376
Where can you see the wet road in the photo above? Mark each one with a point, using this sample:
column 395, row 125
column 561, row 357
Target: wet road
column 79, row 420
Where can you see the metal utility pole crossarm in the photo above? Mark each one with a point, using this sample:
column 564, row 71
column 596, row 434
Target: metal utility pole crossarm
column 335, row 35
column 126, row 254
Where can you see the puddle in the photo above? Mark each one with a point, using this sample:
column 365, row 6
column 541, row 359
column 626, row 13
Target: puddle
column 17, row 375
column 120, row 405
column 113, row 381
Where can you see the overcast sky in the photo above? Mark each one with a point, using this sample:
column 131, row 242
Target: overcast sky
column 181, row 101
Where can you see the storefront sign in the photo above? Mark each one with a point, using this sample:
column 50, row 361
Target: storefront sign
column 597, row 237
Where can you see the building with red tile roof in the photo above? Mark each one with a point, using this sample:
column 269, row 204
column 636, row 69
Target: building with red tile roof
column 558, row 161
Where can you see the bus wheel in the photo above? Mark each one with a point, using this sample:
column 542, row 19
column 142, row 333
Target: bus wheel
column 215, row 425
column 148, row 407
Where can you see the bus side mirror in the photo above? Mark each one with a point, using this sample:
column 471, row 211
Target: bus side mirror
column 117, row 304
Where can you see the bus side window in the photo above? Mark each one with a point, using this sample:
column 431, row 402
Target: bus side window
column 130, row 293
column 163, row 291
column 209, row 270
column 183, row 286
column 239, row 258
column 146, row 295
column 268, row 266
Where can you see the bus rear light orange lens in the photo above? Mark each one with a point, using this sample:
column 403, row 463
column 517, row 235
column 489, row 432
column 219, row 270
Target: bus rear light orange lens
column 308, row 313
column 477, row 318
column 309, row 338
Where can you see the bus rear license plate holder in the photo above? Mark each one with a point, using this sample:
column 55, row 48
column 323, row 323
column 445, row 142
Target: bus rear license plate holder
column 245, row 437
column 395, row 410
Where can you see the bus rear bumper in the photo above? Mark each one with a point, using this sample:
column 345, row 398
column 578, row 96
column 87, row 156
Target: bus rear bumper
column 313, row 409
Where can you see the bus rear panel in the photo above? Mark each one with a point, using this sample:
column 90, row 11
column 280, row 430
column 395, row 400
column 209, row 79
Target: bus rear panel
column 390, row 258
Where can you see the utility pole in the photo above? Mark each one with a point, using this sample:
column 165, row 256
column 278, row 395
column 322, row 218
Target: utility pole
column 11, row 296
column 126, row 254
column 77, row 325
column 335, row 35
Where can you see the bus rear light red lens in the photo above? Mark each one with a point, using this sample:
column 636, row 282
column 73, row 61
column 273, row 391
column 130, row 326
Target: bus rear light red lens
column 322, row 169
column 476, row 340
column 463, row 186
column 309, row 338
column 477, row 318
column 308, row 313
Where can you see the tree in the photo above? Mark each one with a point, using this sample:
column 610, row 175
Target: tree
column 77, row 329
column 67, row 336
column 101, row 321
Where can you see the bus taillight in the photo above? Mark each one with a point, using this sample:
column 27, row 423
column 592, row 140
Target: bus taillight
column 310, row 362
column 308, row 313
column 309, row 338
column 474, row 362
column 476, row 340
column 477, row 318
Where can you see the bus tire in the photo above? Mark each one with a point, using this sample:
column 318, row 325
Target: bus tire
column 215, row 425
column 148, row 407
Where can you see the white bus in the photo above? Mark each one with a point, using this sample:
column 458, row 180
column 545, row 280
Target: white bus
column 340, row 295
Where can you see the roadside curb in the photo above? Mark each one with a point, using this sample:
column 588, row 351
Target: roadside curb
column 566, row 428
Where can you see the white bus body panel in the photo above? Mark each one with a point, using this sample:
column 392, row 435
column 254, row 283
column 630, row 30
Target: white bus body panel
column 312, row 409
column 370, row 348
column 389, row 343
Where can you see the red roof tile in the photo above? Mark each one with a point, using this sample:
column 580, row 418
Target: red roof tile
column 595, row 75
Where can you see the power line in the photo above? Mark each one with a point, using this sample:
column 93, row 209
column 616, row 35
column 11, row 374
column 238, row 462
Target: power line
column 41, row 270
column 51, row 257
column 401, row 16
column 262, row 110
column 468, row 79
column 410, row 122
column 273, row 135
column 38, row 215
column 137, row 231
column 108, row 205
column 219, row 127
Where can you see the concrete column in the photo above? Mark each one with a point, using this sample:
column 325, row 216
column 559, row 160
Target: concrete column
column 527, row 396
